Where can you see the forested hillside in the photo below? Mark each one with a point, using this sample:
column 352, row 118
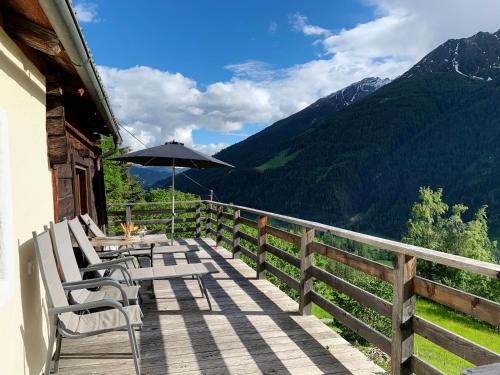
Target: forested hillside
column 361, row 167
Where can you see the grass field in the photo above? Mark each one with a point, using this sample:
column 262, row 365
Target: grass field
column 458, row 323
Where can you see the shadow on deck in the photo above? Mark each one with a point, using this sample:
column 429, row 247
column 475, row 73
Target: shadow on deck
column 253, row 328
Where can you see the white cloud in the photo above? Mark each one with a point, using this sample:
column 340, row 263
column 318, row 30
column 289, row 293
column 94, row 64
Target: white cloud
column 408, row 30
column 86, row 12
column 159, row 105
column 301, row 23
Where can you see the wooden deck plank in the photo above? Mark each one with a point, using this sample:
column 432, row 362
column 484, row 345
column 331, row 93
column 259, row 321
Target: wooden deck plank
column 254, row 328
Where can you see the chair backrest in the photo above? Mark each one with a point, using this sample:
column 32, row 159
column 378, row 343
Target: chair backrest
column 48, row 269
column 51, row 281
column 93, row 227
column 84, row 243
column 65, row 255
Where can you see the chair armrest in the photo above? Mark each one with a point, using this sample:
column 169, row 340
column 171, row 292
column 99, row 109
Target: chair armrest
column 116, row 261
column 87, row 306
column 94, row 283
column 113, row 253
column 69, row 284
column 106, row 266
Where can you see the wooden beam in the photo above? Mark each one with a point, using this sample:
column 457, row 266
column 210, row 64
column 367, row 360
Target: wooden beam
column 458, row 345
column 350, row 321
column 284, row 255
column 80, row 136
column 248, row 253
column 403, row 310
column 32, row 34
column 469, row 304
column 306, row 279
column 197, row 220
column 283, row 276
column 236, row 234
column 367, row 299
column 284, row 235
column 455, row 261
column 248, row 222
column 261, row 247
column 208, row 228
column 248, row 238
column 218, row 236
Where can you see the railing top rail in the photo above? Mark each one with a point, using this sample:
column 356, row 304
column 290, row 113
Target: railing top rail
column 451, row 260
column 153, row 203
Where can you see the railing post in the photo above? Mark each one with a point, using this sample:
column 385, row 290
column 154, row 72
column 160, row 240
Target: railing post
column 236, row 234
column 218, row 237
column 128, row 214
column 208, row 216
column 403, row 310
column 197, row 218
column 261, row 247
column 306, row 280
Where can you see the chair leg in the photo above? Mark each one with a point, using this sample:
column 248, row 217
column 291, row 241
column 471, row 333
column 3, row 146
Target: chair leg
column 57, row 354
column 205, row 293
column 135, row 350
column 50, row 344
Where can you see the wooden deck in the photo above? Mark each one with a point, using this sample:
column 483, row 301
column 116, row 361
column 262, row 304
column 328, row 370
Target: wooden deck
column 254, row 328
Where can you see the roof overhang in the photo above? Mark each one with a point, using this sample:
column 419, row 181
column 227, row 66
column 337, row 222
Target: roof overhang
column 63, row 20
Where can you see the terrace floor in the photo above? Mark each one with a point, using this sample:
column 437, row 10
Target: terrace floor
column 254, row 328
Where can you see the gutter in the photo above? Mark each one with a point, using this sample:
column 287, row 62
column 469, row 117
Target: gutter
column 63, row 20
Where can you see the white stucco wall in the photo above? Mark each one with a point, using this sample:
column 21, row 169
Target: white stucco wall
column 23, row 323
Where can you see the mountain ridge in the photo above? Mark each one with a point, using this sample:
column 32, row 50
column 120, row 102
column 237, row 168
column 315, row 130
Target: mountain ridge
column 361, row 167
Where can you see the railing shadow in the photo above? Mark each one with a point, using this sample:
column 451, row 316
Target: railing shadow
column 260, row 353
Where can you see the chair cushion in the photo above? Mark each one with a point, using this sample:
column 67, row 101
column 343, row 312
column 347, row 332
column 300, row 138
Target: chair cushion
column 107, row 320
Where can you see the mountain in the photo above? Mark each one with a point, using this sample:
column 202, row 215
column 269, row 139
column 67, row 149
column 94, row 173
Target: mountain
column 361, row 167
column 259, row 148
column 149, row 176
column 477, row 57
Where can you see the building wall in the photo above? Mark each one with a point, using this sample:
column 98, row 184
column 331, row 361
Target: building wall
column 23, row 322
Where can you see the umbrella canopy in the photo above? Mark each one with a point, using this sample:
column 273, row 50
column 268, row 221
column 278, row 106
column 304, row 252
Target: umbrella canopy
column 172, row 154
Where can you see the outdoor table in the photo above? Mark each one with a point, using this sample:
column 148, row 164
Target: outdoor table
column 150, row 240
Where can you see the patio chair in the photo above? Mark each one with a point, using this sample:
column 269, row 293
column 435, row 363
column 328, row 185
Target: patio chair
column 197, row 270
column 71, row 321
column 63, row 249
column 156, row 239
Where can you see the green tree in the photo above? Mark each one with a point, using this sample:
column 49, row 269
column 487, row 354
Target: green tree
column 120, row 185
column 434, row 225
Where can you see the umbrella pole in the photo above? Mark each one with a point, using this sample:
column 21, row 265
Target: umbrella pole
column 173, row 201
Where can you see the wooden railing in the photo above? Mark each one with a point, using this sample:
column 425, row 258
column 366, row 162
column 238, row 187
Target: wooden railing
column 159, row 215
column 227, row 222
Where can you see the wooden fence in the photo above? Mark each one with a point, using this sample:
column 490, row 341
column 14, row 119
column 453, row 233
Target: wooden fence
column 225, row 222
column 158, row 216
column 406, row 284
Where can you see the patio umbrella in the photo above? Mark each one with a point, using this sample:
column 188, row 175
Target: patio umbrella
column 172, row 154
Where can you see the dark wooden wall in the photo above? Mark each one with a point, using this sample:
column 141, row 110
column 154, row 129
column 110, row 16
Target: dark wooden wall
column 64, row 175
column 71, row 144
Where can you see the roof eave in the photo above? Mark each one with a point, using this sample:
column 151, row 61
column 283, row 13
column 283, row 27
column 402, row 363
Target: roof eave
column 63, row 20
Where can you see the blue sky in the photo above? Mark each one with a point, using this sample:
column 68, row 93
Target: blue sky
column 210, row 73
column 199, row 38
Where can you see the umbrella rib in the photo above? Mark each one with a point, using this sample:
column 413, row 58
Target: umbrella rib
column 149, row 161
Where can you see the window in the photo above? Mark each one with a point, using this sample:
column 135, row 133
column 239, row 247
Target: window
column 81, row 190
